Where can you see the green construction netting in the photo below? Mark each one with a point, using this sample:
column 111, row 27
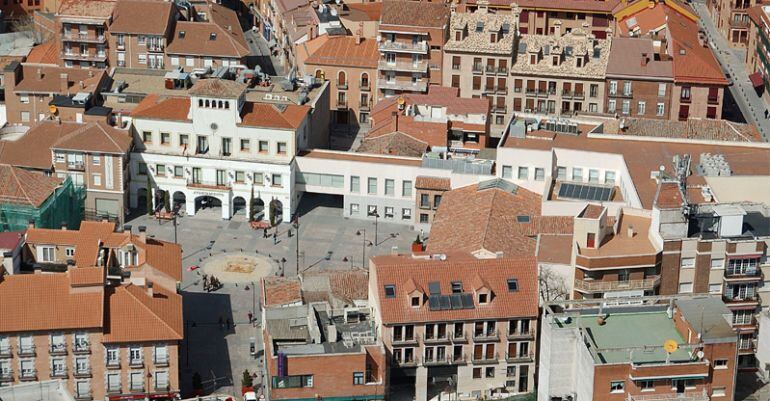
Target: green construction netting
column 65, row 205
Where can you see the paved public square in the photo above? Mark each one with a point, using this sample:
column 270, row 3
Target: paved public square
column 220, row 352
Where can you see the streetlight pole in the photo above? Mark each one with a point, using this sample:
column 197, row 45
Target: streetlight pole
column 175, row 214
column 363, row 247
column 296, row 227
column 376, row 231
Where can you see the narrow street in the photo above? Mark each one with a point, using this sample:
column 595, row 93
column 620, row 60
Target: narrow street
column 751, row 105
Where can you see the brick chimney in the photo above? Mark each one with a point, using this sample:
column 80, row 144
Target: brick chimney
column 395, row 121
column 64, row 83
column 39, row 73
column 143, row 234
column 150, row 292
column 645, row 59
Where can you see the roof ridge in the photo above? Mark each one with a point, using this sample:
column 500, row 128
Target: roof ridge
column 149, row 309
column 108, row 136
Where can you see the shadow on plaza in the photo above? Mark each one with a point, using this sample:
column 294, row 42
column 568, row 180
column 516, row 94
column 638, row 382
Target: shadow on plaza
column 311, row 201
column 205, row 349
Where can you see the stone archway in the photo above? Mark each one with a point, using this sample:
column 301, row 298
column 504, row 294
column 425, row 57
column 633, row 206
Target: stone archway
column 257, row 209
column 239, row 205
column 276, row 212
column 178, row 201
column 204, row 202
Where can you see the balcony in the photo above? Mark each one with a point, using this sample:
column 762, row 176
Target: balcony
column 82, row 372
column 713, row 100
column 342, row 84
column 27, row 350
column 502, row 71
column 521, row 335
column 113, row 364
column 81, row 348
column 623, row 94
column 478, row 69
column 740, row 274
column 481, row 359
column 403, row 66
column 419, row 86
column 136, row 388
column 365, row 106
column 114, row 389
column 6, row 376
column 459, row 338
column 729, row 299
column 404, row 47
column 603, row 286
column 78, row 166
column 491, row 69
column 160, row 360
column 686, row 396
column 83, row 57
column 161, row 387
column 67, row 37
column 436, row 340
column 136, row 363
column 405, row 341
column 364, row 86
column 28, row 374
column 685, row 99
column 203, row 184
column 84, row 396
column 519, row 357
column 736, row 23
column 6, row 351
column 342, row 103
column 406, row 363
column 490, row 89
column 57, row 349
column 59, row 373
column 493, row 335
column 436, row 360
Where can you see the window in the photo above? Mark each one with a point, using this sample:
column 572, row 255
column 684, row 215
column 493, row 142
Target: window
column 389, row 187
column 523, row 173
column 259, row 178
column 715, row 288
column 641, row 108
column 390, row 291
column 371, row 188
column 147, row 137
column 720, row 364
column 240, row 176
column 46, row 253
column 24, row 99
column 424, row 201
column 539, row 174
column 626, row 107
column 96, row 160
column 436, row 201
column 617, row 386
column 593, row 175
column 277, row 180
column 358, row 377
column 627, row 88
column 577, row 174
column 69, row 252
column 178, row 171
column 281, row 148
column 490, row 372
column 60, row 158
column 611, row 106
column 25, row 116
column 718, row 392
column 113, row 355
column 371, row 210
column 113, row 382
column 483, row 298
column 423, row 218
column 717, row 263
column 507, row 171
column 687, row 263
column 513, row 285
column 685, row 288
column 415, row 302
column 457, row 287
column 263, row 147
column 389, row 212
column 613, row 87
column 406, row 214
column 245, row 145
column 184, row 140
column 406, row 188
column 160, row 170
column 165, row 138
column 354, row 208
column 660, row 109
column 661, row 90
column 96, row 179
column 646, row 385
column 561, row 173
column 135, row 354
column 477, row 373
column 609, row 177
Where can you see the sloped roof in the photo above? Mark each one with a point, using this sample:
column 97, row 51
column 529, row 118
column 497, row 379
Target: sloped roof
column 398, row 270
column 86, row 8
column 279, row 291
column 393, row 143
column 148, row 17
column 155, row 107
column 268, row 115
column 25, row 188
column 197, row 39
column 50, row 79
column 365, row 11
column 93, row 137
column 214, row 87
column 693, row 62
column 434, row 183
column 44, row 53
column 415, row 13
column 343, row 51
column 135, row 315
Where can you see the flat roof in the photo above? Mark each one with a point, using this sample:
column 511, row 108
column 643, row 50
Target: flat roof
column 620, row 244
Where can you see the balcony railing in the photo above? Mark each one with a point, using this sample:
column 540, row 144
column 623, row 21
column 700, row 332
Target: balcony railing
column 67, row 37
column 520, row 357
column 419, row 86
column 83, row 57
column 160, row 360
column 406, row 363
column 521, row 334
column 405, row 47
column 738, row 299
column 114, row 389
column 342, row 103
column 136, row 388
column 57, row 349
column 478, row 68
column 686, row 396
column 404, row 66
column 28, row 374
column 6, row 351
column 81, row 348
column 736, row 23
column 365, row 86
column 436, row 360
column 79, row 166
column 742, row 273
column 342, row 84
column 27, row 350
column 113, row 364
column 136, row 363
column 82, row 372
column 713, row 100
column 486, row 358
column 459, row 337
column 161, row 387
column 624, row 94
column 404, row 341
column 59, row 373
column 436, row 340
column 493, row 335
column 6, row 376
column 84, row 395
column 602, row 286
column 208, row 185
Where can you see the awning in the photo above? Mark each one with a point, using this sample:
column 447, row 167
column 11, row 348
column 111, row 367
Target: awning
column 757, row 80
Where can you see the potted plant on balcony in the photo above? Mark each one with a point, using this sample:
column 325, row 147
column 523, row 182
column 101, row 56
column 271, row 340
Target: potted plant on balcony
column 417, row 245
column 247, row 382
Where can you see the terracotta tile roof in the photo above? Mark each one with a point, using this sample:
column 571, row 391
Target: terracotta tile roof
column 10, row 239
column 305, row 49
column 86, row 8
column 288, row 5
column 669, row 196
column 644, row 21
column 395, row 144
column 344, row 52
column 149, row 17
column 134, row 315
column 197, row 39
column 33, row 149
column 620, row 244
column 50, row 80
column 24, row 187
column 220, row 88
column 87, row 276
column 556, row 249
column 279, row 291
column 154, row 107
column 432, row 183
column 709, row 130
column 92, row 137
column 161, row 255
column 55, row 306
column 439, row 96
column 267, row 115
column 470, row 219
column 44, row 53
column 643, row 157
column 592, row 211
column 365, row 11
column 693, row 62
column 415, row 13
column 491, row 273
column 758, row 15
column 350, row 285
column 626, row 55
column 432, row 133
column 595, row 6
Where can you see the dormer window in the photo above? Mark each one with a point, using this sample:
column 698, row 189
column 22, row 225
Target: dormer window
column 493, row 37
column 457, row 287
column 533, row 59
column 483, row 299
column 555, row 61
column 181, row 34
column 579, row 62
column 128, row 257
column 415, row 302
column 458, row 36
column 390, row 291
column 513, row 285
column 213, row 36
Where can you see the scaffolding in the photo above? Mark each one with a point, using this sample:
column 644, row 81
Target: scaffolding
column 64, row 206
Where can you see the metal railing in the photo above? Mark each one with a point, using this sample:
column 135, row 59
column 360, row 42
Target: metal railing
column 601, row 285
column 59, row 373
column 436, row 339
column 521, row 334
column 27, row 350
column 82, row 347
column 486, row 358
column 410, row 47
column 28, row 374
column 419, row 86
column 207, row 184
column 82, row 372
column 403, row 340
column 686, row 396
column 486, row 335
column 406, row 66
column 6, row 351
column 519, row 357
column 136, row 363
column 57, row 349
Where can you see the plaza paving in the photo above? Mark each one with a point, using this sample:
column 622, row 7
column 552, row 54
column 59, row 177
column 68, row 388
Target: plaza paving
column 326, row 241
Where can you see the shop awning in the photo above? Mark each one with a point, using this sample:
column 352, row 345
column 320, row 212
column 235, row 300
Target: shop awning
column 756, row 80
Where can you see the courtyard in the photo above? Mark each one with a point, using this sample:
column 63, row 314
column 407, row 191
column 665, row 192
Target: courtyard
column 218, row 334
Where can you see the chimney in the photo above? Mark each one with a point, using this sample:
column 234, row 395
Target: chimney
column 395, row 121
column 31, row 223
column 150, row 292
column 645, row 59
column 39, row 73
column 499, row 255
column 64, row 226
column 90, row 73
column 7, row 262
column 143, row 234
column 64, row 84
column 70, row 263
column 630, row 231
column 127, row 228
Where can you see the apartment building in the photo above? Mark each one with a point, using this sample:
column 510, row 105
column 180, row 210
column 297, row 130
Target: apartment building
column 430, row 191
column 452, row 323
column 81, row 27
column 559, row 75
column 139, row 33
column 731, row 18
column 477, row 58
column 541, row 17
column 338, row 332
column 216, row 40
column 350, row 64
column 215, row 149
column 412, row 35
column 639, row 79
column 649, row 349
column 38, row 92
column 758, row 49
column 84, row 330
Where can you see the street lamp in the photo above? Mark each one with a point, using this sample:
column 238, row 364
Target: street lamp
column 362, row 232
column 296, row 227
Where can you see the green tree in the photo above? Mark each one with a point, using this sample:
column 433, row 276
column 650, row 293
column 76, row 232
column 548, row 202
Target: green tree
column 247, row 381
column 167, row 201
column 252, row 205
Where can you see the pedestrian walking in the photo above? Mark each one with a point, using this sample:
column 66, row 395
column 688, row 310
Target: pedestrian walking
column 275, row 237
column 766, row 113
column 264, row 233
column 251, row 317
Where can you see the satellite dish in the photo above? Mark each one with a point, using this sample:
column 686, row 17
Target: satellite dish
column 401, row 101
column 700, row 354
column 214, row 126
column 670, row 346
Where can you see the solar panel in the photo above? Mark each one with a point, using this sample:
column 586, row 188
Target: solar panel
column 585, row 192
column 457, row 301
column 434, row 288
column 433, row 303
column 522, row 219
column 467, row 301
column 446, row 304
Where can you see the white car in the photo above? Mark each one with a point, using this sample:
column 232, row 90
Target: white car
column 249, row 396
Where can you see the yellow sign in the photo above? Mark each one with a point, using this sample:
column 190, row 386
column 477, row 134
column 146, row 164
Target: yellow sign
column 52, row 109
column 670, row 346
column 401, row 101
